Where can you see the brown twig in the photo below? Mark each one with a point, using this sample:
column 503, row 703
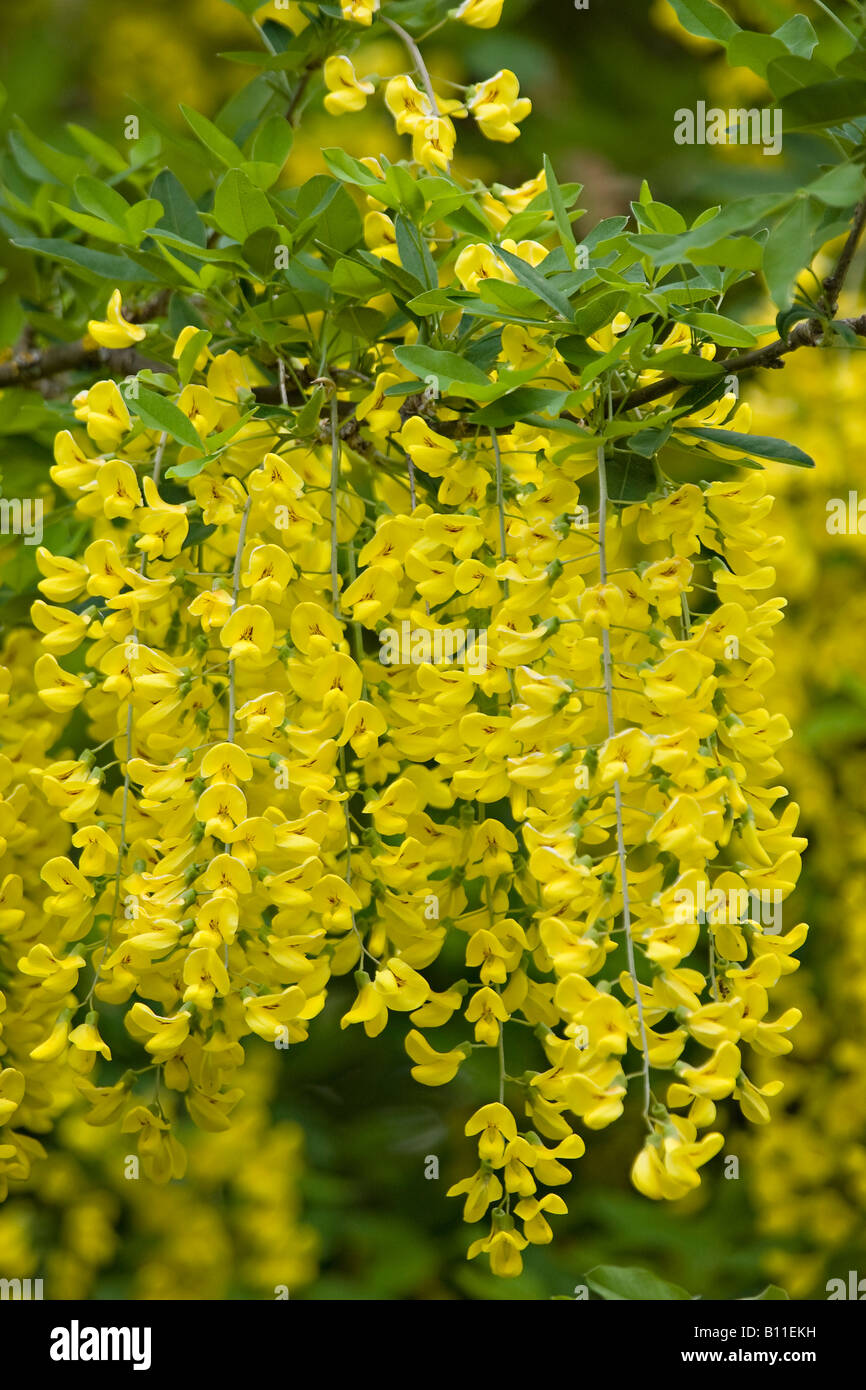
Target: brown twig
column 29, row 366
column 807, row 333
column 832, row 286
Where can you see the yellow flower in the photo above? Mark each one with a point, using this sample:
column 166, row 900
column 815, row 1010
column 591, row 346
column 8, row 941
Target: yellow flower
column 345, row 92
column 504, row 1249
column 359, row 11
column 163, row 1035
column 248, row 633
column 104, row 412
column 433, row 1068
column 481, row 14
column 12, row 1087
column 531, row 1212
column 115, row 331
column 477, row 262
column 433, row 141
column 498, row 107
column 183, row 338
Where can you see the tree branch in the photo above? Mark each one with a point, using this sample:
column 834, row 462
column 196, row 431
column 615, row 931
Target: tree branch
column 807, row 333
column 833, row 283
column 30, row 366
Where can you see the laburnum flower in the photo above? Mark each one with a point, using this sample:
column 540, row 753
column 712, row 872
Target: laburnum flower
column 408, row 105
column 290, row 13
column 183, row 339
column 85, row 1042
column 497, row 1127
column 104, row 412
column 161, row 1036
column 503, row 1247
column 359, row 11
column 531, row 1211
column 345, row 92
column 481, row 14
column 667, row 1165
column 433, row 142
column 433, row 1068
column 248, row 633
column 12, row 1087
column 478, row 262
column 115, row 331
column 498, row 106
column 564, row 730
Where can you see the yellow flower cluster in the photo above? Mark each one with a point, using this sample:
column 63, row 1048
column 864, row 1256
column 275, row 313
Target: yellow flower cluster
column 288, row 809
column 426, row 697
column 807, row 1172
column 495, row 104
column 233, row 1225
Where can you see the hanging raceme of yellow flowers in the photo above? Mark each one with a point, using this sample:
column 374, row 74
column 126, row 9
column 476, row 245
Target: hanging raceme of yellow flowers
column 262, row 805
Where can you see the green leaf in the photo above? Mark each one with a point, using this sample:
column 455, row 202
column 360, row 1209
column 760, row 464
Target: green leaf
column 519, row 405
column 760, row 446
column 825, row 104
column 240, row 208
column 187, row 359
column 854, row 64
column 273, row 142
column 771, row 1293
column 97, row 264
column 798, row 36
column 405, row 191
column 357, row 280
column 633, row 1284
column 788, row 251
column 431, row 302
column 722, row 330
column 212, row 137
column 64, row 168
column 786, row 318
column 97, row 147
column 789, row 74
column 190, row 468
column 141, row 215
column 159, row 413
column 414, row 252
column 840, row 187
column 344, row 166
column 94, row 226
column 648, row 442
column 733, row 252
column 446, row 367
column 755, row 51
column 705, row 20
column 307, row 417
column 180, row 213
column 687, row 366
column 328, row 213
column 560, row 214
column 534, row 280
column 102, row 201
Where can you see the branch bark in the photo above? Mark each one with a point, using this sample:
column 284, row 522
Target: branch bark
column 807, row 333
